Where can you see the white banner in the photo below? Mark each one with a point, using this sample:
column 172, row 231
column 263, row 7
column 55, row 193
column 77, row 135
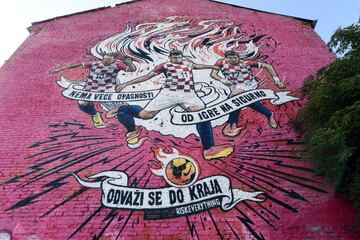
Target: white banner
column 76, row 92
column 230, row 105
column 196, row 198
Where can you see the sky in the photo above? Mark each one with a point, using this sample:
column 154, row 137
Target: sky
column 17, row 15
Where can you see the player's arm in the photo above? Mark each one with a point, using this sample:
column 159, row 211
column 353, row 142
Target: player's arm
column 272, row 72
column 148, row 76
column 203, row 66
column 130, row 67
column 215, row 75
column 59, row 69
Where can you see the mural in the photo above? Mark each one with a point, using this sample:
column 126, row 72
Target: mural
column 187, row 119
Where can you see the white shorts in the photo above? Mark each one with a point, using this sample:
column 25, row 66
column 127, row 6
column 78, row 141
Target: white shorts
column 167, row 99
column 247, row 85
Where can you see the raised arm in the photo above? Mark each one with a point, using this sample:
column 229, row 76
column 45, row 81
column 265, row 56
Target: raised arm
column 58, row 69
column 274, row 75
column 203, row 66
column 130, row 66
column 148, row 76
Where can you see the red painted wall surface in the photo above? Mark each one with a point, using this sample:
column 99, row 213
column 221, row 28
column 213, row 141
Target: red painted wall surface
column 45, row 137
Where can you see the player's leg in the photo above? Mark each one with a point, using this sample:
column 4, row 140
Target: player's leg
column 236, row 91
column 211, row 151
column 126, row 115
column 145, row 114
column 231, row 129
column 89, row 108
column 259, row 107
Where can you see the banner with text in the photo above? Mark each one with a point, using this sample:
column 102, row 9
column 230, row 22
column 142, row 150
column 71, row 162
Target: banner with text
column 214, row 191
column 76, row 92
column 230, row 105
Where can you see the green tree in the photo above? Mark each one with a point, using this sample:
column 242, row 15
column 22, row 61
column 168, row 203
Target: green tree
column 331, row 119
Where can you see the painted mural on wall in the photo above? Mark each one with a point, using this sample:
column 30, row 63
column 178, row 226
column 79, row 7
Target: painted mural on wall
column 166, row 102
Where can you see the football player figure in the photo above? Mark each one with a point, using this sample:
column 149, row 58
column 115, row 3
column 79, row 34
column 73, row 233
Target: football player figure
column 101, row 78
column 240, row 78
column 178, row 90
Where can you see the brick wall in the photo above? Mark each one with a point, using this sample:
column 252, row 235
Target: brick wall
column 45, row 136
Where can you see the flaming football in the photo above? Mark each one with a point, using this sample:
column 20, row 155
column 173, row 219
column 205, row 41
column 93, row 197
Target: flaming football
column 178, row 170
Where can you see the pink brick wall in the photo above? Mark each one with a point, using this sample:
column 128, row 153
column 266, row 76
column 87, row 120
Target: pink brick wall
column 45, row 136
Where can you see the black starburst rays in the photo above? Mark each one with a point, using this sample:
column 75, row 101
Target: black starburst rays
column 72, row 147
column 267, row 162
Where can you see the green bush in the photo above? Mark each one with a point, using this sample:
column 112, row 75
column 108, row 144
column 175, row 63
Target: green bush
column 330, row 121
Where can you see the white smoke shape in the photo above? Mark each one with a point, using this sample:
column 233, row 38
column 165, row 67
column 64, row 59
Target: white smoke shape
column 204, row 42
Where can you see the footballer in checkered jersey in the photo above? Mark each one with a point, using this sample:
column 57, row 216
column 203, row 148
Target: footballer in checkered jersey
column 101, row 78
column 178, row 90
column 239, row 78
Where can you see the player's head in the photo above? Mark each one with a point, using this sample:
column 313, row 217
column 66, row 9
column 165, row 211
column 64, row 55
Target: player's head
column 232, row 56
column 109, row 58
column 176, row 56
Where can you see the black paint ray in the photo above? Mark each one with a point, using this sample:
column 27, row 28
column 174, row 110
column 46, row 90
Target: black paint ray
column 288, row 141
column 109, row 217
column 52, row 186
column 114, row 212
column 66, row 150
column 131, row 212
column 136, row 181
column 131, row 157
column 124, row 225
column 290, row 180
column 300, row 184
column 276, row 163
column 107, row 160
column 215, row 225
column 269, row 150
column 192, row 228
column 289, row 193
column 267, row 210
column 275, row 156
column 60, row 130
column 260, row 215
column 85, row 139
column 31, row 199
column 77, row 193
column 247, row 222
column 279, row 202
column 35, row 169
column 74, row 195
column 45, row 151
column 236, row 172
column 240, row 167
column 85, row 222
column 55, row 138
column 69, row 164
column 233, row 230
column 69, row 124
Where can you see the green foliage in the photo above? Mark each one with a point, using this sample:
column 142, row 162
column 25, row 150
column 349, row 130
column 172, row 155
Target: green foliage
column 331, row 120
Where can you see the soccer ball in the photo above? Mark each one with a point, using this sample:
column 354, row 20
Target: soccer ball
column 180, row 171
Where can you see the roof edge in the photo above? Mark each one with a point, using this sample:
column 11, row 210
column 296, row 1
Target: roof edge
column 312, row 23
column 78, row 13
column 69, row 15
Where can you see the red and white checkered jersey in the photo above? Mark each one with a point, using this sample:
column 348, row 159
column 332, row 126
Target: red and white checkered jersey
column 179, row 77
column 237, row 73
column 102, row 77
